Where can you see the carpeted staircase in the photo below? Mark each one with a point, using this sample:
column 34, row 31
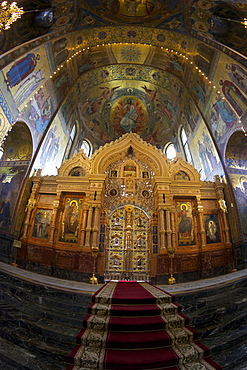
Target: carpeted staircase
column 133, row 326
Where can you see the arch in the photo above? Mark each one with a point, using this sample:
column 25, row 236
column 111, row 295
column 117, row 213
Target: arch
column 179, row 165
column 118, row 149
column 87, row 147
column 17, row 153
column 77, row 161
column 170, row 151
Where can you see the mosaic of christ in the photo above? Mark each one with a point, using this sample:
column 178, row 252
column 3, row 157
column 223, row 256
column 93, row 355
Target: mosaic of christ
column 128, row 114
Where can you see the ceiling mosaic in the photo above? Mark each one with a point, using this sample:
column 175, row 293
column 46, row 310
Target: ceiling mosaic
column 136, row 11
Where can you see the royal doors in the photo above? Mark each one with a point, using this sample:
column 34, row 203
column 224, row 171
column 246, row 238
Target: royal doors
column 127, row 252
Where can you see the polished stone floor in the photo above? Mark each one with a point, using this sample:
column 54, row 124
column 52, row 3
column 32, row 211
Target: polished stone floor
column 75, row 286
column 40, row 317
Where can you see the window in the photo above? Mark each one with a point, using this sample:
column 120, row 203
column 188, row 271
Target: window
column 185, row 146
column 1, row 153
column 87, row 147
column 68, row 150
column 170, row 151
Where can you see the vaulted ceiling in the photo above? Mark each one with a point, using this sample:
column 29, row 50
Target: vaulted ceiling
column 127, row 65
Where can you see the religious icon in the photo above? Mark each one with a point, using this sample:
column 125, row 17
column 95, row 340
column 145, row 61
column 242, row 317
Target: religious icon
column 139, row 242
column 41, row 223
column 185, row 223
column 145, row 193
column 70, row 223
column 139, row 262
column 21, row 69
column 212, row 229
column 139, row 222
column 128, row 121
column 113, row 192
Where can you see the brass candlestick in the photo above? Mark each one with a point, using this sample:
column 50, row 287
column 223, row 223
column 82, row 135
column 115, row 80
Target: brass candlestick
column 95, row 251
column 171, row 279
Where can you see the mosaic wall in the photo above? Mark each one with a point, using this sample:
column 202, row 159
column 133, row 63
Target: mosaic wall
column 108, row 91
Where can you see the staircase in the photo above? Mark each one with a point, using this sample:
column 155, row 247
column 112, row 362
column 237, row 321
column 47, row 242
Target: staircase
column 133, row 325
column 39, row 324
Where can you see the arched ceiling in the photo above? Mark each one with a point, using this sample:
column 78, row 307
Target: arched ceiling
column 133, row 87
column 118, row 66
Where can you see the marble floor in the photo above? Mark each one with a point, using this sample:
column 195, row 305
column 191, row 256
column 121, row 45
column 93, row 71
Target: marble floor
column 82, row 287
column 40, row 317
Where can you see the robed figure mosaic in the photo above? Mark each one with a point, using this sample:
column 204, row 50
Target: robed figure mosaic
column 185, row 224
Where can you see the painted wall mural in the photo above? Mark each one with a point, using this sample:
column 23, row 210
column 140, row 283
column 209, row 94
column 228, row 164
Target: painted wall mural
column 236, row 160
column 135, row 11
column 112, row 110
column 228, row 109
column 13, row 167
column 52, row 150
column 24, row 76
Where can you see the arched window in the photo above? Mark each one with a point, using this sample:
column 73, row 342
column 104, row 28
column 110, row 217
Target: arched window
column 185, row 145
column 1, row 153
column 87, row 147
column 170, row 151
column 68, row 150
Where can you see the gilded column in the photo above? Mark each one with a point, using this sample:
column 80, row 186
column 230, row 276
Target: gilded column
column 89, row 226
column 162, row 229
column 83, row 230
column 173, row 228
column 202, row 232
column 223, row 207
column 95, row 226
column 56, row 205
column 168, row 230
column 30, row 206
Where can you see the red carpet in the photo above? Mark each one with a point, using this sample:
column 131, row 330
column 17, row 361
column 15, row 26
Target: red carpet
column 136, row 326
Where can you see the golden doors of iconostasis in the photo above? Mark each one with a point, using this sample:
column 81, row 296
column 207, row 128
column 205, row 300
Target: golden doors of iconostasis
column 127, row 252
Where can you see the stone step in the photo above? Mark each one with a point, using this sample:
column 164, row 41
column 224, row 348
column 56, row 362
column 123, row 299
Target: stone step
column 231, row 339
column 214, row 325
column 50, row 332
column 208, row 304
column 235, row 359
column 22, row 289
column 41, row 312
column 14, row 357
